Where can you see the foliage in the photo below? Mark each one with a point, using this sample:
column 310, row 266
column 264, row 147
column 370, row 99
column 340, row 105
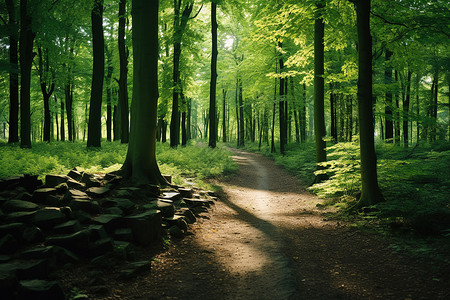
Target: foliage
column 197, row 162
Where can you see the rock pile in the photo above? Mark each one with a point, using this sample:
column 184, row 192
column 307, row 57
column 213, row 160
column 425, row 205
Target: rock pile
column 83, row 216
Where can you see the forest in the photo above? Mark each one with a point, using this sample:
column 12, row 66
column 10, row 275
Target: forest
column 350, row 96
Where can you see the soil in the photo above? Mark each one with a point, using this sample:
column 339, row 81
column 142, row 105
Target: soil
column 266, row 239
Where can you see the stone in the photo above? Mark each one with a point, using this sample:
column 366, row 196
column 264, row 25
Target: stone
column 30, row 182
column 146, row 227
column 26, row 269
column 73, row 184
column 128, row 192
column 8, row 244
column 44, row 195
column 88, row 206
column 25, row 196
column 123, row 234
column 75, row 194
column 196, row 202
column 179, row 221
column 186, row 193
column 186, row 212
column 71, row 226
column 67, row 211
column 90, row 180
column 98, row 192
column 100, row 247
column 64, row 256
column 96, row 232
column 15, row 229
column 124, row 250
column 76, row 241
column 167, row 209
column 32, row 234
column 175, row 231
column 5, row 258
column 82, row 216
column 20, row 217
column 19, row 205
column 174, row 196
column 54, row 180
column 49, row 217
column 103, row 261
column 114, row 211
column 38, row 252
column 8, row 285
column 113, row 180
column 40, row 289
column 110, row 222
column 75, row 175
column 124, row 204
column 9, row 183
column 135, row 268
column 62, row 188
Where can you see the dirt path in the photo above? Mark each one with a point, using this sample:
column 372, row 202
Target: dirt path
column 266, row 240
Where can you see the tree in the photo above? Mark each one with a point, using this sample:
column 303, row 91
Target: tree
column 319, row 89
column 26, row 40
column 123, row 88
column 140, row 164
column 370, row 192
column 46, row 76
column 180, row 23
column 98, row 45
column 212, row 95
column 13, row 74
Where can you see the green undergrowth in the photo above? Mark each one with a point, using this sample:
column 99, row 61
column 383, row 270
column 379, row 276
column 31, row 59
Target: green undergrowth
column 415, row 183
column 187, row 165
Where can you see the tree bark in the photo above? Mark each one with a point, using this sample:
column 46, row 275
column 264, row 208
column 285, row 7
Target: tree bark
column 13, row 74
column 406, row 110
column 370, row 192
column 140, row 165
column 123, row 63
column 319, row 90
column 98, row 45
column 109, row 72
column 180, row 23
column 282, row 111
column 224, row 121
column 26, row 40
column 44, row 73
column 212, row 88
column 389, row 128
column 241, row 116
column 63, row 132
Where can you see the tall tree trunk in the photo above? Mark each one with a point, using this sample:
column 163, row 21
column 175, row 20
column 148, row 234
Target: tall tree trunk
column 238, row 135
column 63, row 132
column 434, row 106
column 397, row 114
column 13, row 74
column 303, row 116
column 333, row 113
column 56, row 117
column 44, row 76
column 26, row 58
column 98, row 45
column 123, row 63
column 370, row 192
column 180, row 23
column 406, row 110
column 282, row 111
column 188, row 120
column 212, row 88
column 140, row 164
column 109, row 72
column 272, row 141
column 319, row 91
column 224, row 121
column 417, row 109
column 241, row 117
column 389, row 128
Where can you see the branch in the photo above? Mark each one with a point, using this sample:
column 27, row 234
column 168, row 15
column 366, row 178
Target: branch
column 52, row 5
column 3, row 20
column 197, row 12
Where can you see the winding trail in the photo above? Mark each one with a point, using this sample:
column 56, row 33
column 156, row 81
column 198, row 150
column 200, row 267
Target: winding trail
column 266, row 239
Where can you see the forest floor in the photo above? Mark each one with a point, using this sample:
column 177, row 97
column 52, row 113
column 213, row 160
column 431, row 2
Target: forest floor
column 266, row 239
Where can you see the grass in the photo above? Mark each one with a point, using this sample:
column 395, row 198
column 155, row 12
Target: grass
column 193, row 163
